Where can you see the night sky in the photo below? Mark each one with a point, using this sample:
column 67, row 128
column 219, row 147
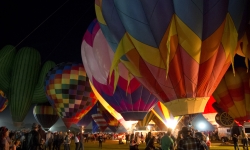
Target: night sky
column 54, row 28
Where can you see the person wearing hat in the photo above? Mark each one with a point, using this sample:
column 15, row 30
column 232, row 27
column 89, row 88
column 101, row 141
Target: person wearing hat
column 4, row 133
column 188, row 142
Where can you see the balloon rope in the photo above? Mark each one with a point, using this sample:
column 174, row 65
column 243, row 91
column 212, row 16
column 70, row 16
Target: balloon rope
column 35, row 29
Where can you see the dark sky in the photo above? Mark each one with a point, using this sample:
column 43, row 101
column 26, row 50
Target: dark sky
column 53, row 27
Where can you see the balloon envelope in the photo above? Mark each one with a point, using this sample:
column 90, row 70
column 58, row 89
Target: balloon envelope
column 68, row 91
column 124, row 93
column 45, row 115
column 178, row 49
column 233, row 94
column 86, row 119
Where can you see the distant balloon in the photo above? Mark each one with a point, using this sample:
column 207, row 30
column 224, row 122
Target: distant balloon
column 143, row 123
column 45, row 115
column 179, row 50
column 3, row 101
column 99, row 120
column 68, row 90
column 129, row 97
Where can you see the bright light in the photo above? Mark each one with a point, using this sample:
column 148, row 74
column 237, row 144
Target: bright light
column 171, row 123
column 149, row 127
column 202, row 125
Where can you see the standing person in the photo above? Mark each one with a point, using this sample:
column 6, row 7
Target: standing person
column 60, row 140
column 67, row 141
column 81, row 141
column 100, row 139
column 4, row 133
column 49, row 140
column 127, row 138
column 167, row 142
column 188, row 142
column 245, row 141
column 148, row 137
column 36, row 138
column 76, row 142
column 200, row 136
column 55, row 141
column 151, row 144
column 133, row 144
column 236, row 140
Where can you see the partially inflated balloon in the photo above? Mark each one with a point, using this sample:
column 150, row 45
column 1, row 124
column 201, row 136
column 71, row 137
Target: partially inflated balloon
column 45, row 114
column 233, row 94
column 178, row 49
column 165, row 115
column 3, row 101
column 99, row 120
column 143, row 123
column 68, row 90
column 129, row 97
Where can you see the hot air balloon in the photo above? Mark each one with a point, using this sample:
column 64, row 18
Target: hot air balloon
column 99, row 120
column 142, row 125
column 129, row 97
column 128, row 125
column 178, row 49
column 86, row 119
column 68, row 91
column 161, row 112
column 3, row 101
column 112, row 122
column 233, row 94
column 45, row 115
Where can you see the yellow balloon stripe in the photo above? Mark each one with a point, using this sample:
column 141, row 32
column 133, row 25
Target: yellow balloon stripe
column 230, row 38
column 99, row 15
column 111, row 110
column 188, row 39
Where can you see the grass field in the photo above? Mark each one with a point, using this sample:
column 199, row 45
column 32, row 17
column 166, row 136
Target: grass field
column 113, row 145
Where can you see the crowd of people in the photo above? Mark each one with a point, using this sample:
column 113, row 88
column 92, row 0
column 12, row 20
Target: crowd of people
column 38, row 139
column 185, row 140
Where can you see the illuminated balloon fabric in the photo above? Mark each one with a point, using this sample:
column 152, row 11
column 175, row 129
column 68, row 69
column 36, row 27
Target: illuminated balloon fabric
column 3, row 101
column 68, row 91
column 209, row 106
column 178, row 50
column 112, row 122
column 39, row 95
column 233, row 94
column 86, row 119
column 7, row 55
column 99, row 120
column 24, row 76
column 146, row 120
column 159, row 124
column 127, row 124
column 94, row 127
column 129, row 98
column 45, row 115
column 161, row 111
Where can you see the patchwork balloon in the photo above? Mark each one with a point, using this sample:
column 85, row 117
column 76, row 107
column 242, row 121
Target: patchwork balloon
column 86, row 119
column 129, row 97
column 45, row 115
column 179, row 50
column 68, row 91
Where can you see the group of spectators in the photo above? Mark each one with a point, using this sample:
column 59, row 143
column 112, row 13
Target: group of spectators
column 185, row 140
column 38, row 139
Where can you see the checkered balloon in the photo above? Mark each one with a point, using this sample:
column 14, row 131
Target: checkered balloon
column 68, row 91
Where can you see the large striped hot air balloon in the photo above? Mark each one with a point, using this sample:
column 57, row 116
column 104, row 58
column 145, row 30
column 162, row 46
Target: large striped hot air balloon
column 142, row 125
column 45, row 115
column 233, row 94
column 99, row 120
column 178, row 49
column 3, row 101
column 129, row 97
column 68, row 90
